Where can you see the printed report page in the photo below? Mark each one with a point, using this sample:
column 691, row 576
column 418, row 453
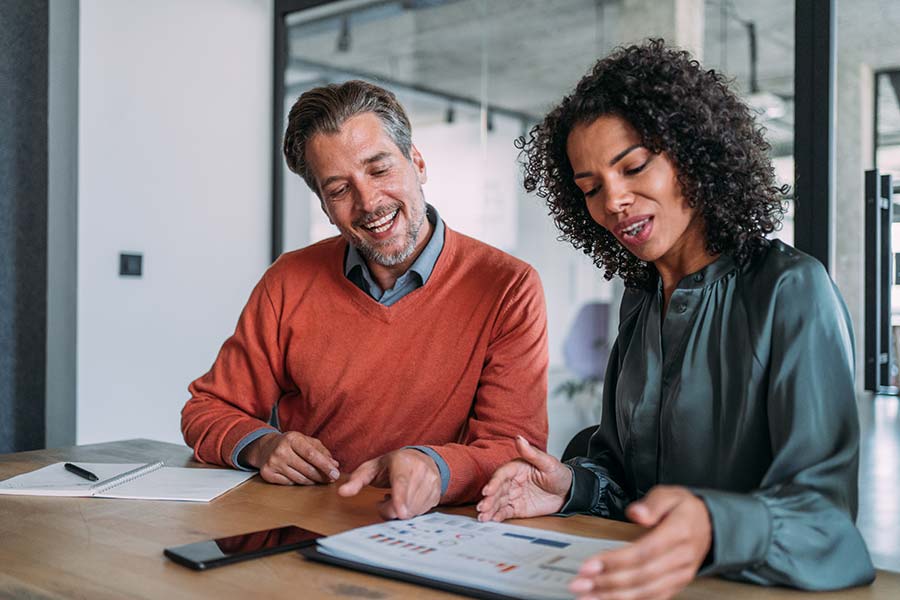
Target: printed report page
column 509, row 559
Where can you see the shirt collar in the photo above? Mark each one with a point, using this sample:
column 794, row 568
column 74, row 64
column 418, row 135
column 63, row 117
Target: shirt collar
column 717, row 269
column 424, row 263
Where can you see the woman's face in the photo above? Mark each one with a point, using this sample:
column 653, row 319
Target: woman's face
column 634, row 193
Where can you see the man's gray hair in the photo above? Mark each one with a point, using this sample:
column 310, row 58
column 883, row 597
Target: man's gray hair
column 326, row 108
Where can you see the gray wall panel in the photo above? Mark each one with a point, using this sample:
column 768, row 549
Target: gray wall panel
column 23, row 222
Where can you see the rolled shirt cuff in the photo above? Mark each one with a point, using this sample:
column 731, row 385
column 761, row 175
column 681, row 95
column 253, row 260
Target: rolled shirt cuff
column 246, row 441
column 443, row 469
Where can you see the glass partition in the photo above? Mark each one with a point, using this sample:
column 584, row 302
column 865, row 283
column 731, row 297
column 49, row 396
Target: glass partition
column 476, row 74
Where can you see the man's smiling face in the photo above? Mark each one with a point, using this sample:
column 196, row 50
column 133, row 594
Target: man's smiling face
column 370, row 190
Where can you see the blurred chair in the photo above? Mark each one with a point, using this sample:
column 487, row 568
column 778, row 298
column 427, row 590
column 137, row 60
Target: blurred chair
column 586, row 347
column 585, row 351
column 578, row 445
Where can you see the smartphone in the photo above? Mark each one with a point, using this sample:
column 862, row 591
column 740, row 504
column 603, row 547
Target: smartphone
column 232, row 549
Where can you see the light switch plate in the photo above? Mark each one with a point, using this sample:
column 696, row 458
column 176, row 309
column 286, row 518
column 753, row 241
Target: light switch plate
column 130, row 265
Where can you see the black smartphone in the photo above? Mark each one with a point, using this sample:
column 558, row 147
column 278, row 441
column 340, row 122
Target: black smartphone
column 235, row 548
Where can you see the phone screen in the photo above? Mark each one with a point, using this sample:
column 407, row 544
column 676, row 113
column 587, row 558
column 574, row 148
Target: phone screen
column 226, row 550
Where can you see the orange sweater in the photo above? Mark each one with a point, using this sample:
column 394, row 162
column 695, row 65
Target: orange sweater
column 459, row 364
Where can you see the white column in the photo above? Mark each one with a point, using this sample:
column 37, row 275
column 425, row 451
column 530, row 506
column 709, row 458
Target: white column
column 679, row 22
column 854, row 141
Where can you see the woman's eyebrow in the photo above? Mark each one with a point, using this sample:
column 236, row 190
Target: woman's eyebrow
column 614, row 160
column 622, row 154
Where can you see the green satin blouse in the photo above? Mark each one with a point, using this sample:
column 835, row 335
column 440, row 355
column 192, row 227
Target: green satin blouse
column 744, row 393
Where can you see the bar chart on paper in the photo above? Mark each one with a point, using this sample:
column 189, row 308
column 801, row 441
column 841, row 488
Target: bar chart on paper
column 497, row 557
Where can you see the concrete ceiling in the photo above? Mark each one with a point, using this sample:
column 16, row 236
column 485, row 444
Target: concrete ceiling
column 523, row 55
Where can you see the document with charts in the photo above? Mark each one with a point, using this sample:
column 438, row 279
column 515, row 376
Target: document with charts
column 497, row 557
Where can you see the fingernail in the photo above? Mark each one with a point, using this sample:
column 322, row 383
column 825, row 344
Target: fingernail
column 591, row 567
column 580, row 585
column 334, row 474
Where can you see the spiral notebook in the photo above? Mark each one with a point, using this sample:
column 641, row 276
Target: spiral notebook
column 134, row 481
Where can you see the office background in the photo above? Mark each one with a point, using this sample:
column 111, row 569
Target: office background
column 151, row 128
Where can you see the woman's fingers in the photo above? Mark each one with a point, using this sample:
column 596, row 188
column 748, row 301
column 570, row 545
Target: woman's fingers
column 661, row 562
column 543, row 461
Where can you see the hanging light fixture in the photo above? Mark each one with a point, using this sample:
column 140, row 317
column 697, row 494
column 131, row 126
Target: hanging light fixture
column 765, row 104
column 343, row 40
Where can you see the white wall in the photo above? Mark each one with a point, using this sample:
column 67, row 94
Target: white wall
column 174, row 162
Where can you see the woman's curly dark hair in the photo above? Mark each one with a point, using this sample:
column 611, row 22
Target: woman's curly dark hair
column 676, row 107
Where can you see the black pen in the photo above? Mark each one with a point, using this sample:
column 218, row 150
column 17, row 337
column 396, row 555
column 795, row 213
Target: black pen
column 81, row 472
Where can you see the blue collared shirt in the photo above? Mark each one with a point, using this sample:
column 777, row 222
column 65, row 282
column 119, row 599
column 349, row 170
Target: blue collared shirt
column 357, row 271
column 416, row 276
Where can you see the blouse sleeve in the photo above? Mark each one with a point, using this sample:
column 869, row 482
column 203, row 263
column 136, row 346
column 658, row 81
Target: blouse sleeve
column 797, row 529
column 596, row 478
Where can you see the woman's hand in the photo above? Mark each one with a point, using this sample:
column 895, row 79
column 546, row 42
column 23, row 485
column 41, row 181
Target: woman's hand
column 662, row 561
column 532, row 485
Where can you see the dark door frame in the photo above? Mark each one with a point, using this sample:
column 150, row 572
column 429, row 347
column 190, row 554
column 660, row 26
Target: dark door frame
column 815, row 62
column 280, row 49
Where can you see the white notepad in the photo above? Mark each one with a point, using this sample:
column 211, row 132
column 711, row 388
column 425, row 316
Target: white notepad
column 135, row 481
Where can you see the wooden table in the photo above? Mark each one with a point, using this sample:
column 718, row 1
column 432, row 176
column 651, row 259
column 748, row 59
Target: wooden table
column 102, row 548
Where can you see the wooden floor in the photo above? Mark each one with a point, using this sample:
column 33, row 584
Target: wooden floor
column 879, row 479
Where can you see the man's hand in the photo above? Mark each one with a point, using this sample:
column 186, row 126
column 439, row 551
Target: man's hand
column 534, row 484
column 412, row 475
column 662, row 561
column 291, row 458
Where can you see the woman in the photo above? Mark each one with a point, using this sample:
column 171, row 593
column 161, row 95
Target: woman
column 729, row 425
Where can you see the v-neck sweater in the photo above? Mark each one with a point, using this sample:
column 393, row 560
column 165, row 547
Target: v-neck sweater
column 458, row 365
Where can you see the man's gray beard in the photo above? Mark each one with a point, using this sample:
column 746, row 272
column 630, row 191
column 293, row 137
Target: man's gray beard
column 392, row 260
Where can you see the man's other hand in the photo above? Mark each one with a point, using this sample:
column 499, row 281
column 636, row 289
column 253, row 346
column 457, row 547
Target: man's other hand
column 291, row 458
column 412, row 475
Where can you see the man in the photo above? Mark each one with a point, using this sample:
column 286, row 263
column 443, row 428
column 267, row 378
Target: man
column 400, row 350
